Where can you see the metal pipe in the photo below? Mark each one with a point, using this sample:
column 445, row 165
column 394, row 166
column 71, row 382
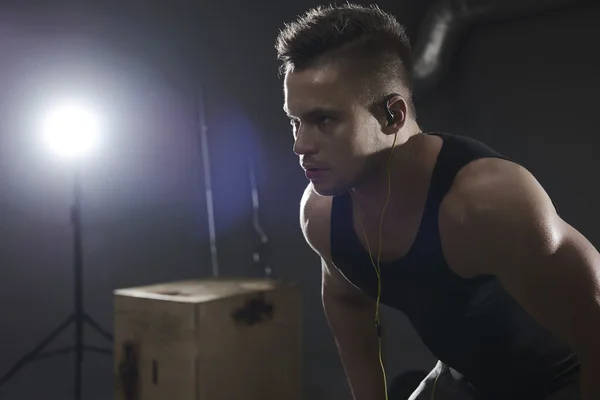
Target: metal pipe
column 208, row 185
column 258, row 255
column 446, row 21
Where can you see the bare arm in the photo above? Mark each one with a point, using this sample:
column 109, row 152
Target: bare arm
column 350, row 313
column 509, row 228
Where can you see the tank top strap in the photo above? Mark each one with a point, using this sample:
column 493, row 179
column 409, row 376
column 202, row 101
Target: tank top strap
column 456, row 152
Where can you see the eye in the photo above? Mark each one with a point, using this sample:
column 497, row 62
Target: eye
column 294, row 123
column 323, row 119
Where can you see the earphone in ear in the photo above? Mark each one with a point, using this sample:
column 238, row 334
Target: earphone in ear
column 391, row 118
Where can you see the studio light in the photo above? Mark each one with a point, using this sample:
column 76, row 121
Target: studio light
column 71, row 131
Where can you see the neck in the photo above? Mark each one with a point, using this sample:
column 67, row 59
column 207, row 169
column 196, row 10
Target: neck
column 371, row 194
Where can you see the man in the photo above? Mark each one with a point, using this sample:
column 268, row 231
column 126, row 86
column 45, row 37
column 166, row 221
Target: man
column 462, row 240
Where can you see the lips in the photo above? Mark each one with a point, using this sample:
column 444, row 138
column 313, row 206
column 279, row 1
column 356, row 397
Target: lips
column 313, row 170
column 315, row 173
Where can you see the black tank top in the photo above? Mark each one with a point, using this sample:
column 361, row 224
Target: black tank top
column 472, row 325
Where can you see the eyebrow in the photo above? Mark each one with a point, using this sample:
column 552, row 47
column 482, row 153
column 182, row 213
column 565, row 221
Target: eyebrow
column 315, row 111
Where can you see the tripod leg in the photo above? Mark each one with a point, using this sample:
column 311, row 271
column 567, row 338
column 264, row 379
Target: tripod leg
column 97, row 327
column 36, row 351
column 78, row 354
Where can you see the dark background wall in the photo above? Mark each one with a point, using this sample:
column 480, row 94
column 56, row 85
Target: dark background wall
column 526, row 87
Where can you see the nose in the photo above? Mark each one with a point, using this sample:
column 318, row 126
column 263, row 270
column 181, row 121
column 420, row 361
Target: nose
column 305, row 144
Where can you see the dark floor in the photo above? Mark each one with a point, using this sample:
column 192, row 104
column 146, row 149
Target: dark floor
column 52, row 379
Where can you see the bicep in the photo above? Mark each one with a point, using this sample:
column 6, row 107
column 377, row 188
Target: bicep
column 550, row 268
column 561, row 290
column 336, row 286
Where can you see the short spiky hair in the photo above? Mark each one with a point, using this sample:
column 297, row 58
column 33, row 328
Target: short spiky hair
column 367, row 35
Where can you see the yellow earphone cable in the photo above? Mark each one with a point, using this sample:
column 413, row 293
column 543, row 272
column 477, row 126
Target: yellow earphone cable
column 378, row 272
column 377, row 266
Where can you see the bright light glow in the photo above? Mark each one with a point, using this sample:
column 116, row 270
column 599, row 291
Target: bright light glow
column 71, row 130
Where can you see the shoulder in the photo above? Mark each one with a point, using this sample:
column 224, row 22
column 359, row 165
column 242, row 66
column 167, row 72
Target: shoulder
column 492, row 203
column 315, row 220
column 493, row 188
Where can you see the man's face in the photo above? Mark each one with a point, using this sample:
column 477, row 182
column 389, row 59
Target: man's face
column 334, row 133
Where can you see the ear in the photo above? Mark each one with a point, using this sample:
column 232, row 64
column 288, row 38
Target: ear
column 396, row 110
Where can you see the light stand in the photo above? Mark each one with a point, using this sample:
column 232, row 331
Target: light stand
column 79, row 317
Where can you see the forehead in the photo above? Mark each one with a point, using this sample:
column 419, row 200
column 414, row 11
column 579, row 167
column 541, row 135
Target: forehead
column 325, row 86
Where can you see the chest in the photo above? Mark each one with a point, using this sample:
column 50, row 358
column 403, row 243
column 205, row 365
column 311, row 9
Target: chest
column 390, row 237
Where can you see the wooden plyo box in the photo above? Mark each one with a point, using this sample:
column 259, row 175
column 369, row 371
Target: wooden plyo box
column 212, row 339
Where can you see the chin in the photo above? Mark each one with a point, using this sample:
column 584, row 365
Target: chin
column 328, row 189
